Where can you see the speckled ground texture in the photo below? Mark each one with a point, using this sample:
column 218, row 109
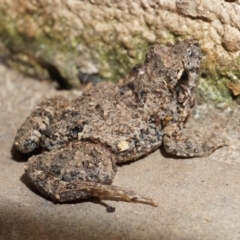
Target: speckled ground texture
column 198, row 198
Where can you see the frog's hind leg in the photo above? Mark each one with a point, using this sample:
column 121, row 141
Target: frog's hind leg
column 79, row 172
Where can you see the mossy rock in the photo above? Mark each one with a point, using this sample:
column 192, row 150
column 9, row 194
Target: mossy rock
column 59, row 40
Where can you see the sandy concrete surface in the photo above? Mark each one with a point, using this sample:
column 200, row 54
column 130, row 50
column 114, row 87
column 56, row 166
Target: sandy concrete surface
column 198, row 198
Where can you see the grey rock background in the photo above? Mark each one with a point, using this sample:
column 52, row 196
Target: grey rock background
column 107, row 37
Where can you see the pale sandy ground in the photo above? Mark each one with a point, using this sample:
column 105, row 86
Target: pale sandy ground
column 198, row 198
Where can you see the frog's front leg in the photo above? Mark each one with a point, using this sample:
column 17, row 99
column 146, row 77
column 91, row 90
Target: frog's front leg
column 32, row 131
column 79, row 171
column 177, row 144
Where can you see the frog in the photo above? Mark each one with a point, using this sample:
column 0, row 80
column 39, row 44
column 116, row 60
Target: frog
column 81, row 141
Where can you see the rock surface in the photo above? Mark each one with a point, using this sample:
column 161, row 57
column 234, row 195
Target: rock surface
column 199, row 197
column 107, row 37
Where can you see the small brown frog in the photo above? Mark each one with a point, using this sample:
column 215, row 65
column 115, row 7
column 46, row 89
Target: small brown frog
column 82, row 140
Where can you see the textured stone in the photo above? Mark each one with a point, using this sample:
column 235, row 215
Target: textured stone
column 109, row 37
column 198, row 198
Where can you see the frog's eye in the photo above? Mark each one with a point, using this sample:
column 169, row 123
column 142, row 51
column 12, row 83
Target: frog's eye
column 189, row 52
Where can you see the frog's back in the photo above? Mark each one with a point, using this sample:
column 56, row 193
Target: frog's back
column 111, row 115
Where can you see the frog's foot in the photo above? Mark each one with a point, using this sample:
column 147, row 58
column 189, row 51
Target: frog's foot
column 176, row 144
column 79, row 173
column 29, row 136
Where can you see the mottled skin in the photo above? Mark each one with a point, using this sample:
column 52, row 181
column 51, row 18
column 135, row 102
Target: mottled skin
column 83, row 140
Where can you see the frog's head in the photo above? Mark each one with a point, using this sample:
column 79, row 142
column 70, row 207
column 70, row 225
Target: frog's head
column 171, row 70
column 175, row 67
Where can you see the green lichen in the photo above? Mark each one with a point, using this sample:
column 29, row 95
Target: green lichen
column 213, row 90
column 119, row 60
column 33, row 56
column 212, row 85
